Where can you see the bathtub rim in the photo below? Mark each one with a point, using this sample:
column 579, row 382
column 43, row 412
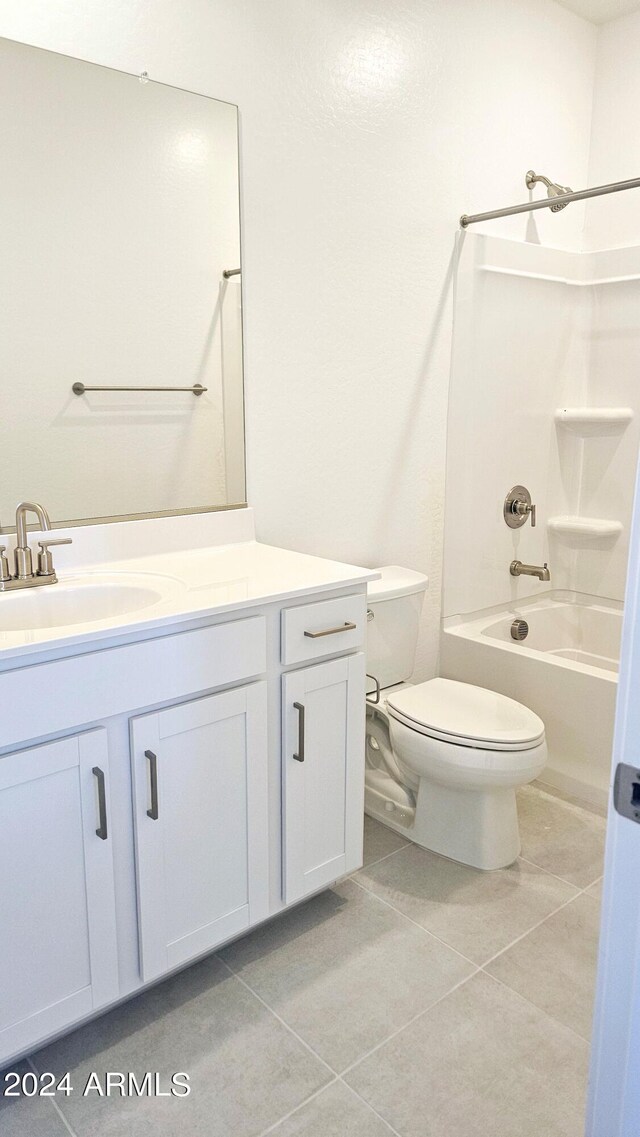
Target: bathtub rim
column 471, row 626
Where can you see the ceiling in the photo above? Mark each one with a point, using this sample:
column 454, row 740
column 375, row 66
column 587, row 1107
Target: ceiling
column 599, row 11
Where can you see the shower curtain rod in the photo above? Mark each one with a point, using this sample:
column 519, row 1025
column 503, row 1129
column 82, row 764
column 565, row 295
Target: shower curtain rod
column 548, row 203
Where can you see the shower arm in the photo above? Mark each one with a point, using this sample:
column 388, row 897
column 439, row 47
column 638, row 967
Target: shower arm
column 547, row 203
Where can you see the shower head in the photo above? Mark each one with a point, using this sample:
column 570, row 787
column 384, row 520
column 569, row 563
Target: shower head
column 553, row 189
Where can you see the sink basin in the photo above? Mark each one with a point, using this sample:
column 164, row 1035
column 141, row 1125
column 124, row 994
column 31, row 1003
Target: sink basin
column 83, row 600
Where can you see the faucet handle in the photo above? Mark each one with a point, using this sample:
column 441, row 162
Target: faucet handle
column 4, row 564
column 518, row 506
column 45, row 560
column 525, row 509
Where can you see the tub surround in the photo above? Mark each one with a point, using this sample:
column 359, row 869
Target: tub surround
column 557, row 408
column 192, row 767
column 555, row 401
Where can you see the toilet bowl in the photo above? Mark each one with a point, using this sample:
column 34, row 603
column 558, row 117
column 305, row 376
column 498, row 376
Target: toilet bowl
column 444, row 758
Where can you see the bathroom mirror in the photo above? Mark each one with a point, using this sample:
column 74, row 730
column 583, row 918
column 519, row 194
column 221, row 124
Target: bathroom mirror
column 119, row 211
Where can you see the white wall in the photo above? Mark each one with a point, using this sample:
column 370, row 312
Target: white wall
column 368, row 126
column 615, row 141
column 119, row 207
column 613, row 223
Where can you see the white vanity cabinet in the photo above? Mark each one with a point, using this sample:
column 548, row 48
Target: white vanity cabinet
column 323, row 717
column 58, row 955
column 162, row 793
column 201, row 824
column 323, row 773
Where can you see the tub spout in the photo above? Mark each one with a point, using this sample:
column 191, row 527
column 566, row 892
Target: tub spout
column 541, row 571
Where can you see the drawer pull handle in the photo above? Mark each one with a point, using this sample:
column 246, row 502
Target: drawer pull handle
column 153, row 774
column 299, row 757
column 331, row 631
column 101, row 831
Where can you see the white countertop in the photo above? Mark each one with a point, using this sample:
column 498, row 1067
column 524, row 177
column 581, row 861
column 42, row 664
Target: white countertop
column 191, row 583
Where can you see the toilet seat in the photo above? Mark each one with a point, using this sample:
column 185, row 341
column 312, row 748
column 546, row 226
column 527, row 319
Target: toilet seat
column 466, row 715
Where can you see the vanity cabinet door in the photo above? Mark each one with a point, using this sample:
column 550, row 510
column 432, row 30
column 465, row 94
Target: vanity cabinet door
column 58, row 956
column 200, row 786
column 323, row 774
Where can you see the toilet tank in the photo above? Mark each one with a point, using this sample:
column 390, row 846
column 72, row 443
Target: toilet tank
column 393, row 616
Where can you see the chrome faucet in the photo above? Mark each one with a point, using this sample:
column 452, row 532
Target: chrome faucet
column 22, row 554
column 23, row 575
column 541, row 571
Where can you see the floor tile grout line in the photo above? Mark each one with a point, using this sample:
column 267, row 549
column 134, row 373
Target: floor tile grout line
column 524, row 935
column 562, row 879
column 535, row 1006
column 340, row 1074
column 395, row 1033
column 53, row 1101
column 318, row 1093
column 422, row 928
column 586, row 888
column 297, row 1108
column 370, row 864
column 575, row 802
column 598, row 880
column 307, row 1046
column 336, row 1077
column 478, row 966
column 577, row 892
column 370, row 1107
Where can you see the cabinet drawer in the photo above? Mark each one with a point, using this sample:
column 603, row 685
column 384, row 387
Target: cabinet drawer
column 35, row 701
column 325, row 628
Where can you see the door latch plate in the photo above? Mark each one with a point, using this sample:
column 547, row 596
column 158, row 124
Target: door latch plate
column 626, row 791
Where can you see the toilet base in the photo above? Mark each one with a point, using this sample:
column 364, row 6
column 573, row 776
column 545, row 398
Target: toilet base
column 476, row 827
column 382, row 807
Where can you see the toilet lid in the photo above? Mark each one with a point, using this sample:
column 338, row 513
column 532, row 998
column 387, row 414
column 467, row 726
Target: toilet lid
column 456, row 711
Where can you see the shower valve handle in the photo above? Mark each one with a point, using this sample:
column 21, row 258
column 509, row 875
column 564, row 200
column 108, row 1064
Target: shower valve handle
column 517, row 507
column 524, row 508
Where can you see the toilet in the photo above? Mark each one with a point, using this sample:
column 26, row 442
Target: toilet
column 443, row 758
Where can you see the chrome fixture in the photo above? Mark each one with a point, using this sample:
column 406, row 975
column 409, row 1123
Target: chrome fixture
column 227, row 272
column 556, row 201
column 554, row 190
column 23, row 575
column 22, row 553
column 346, row 627
column 541, row 571
column 300, row 708
column 153, row 811
column 373, row 696
column 519, row 629
column 195, row 389
column 518, row 506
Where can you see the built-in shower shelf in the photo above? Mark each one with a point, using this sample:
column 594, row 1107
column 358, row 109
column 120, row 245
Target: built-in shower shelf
column 596, row 282
column 594, row 420
column 585, row 528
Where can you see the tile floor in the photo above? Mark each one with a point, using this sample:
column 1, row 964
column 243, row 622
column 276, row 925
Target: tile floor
column 419, row 998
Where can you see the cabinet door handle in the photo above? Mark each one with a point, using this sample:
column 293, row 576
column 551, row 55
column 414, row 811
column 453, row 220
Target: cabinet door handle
column 102, row 831
column 348, row 627
column 299, row 757
column 153, row 775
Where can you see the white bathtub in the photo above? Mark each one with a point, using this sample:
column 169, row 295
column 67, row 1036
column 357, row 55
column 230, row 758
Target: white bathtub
column 566, row 670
